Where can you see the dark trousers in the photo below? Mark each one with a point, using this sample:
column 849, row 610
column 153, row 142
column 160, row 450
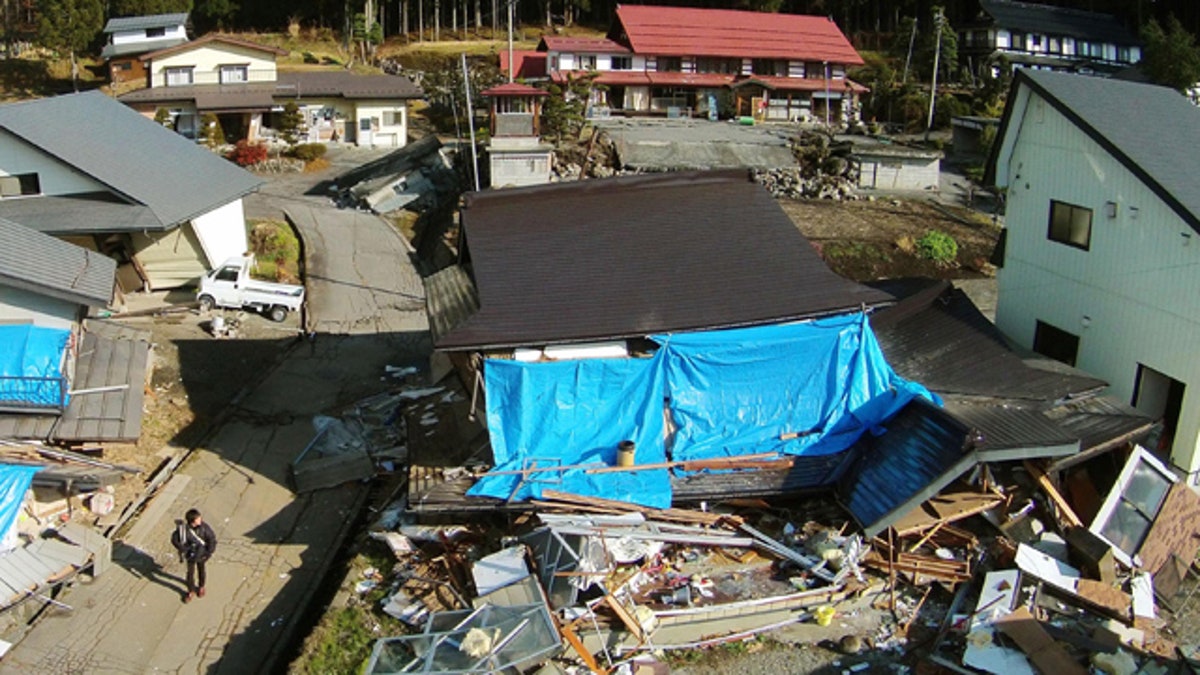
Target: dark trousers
column 195, row 569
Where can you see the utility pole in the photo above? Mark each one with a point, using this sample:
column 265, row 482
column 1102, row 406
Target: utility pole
column 511, row 65
column 825, row 66
column 471, row 122
column 912, row 38
column 937, row 53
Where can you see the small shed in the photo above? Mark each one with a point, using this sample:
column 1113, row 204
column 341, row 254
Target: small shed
column 887, row 166
column 516, row 155
column 968, row 131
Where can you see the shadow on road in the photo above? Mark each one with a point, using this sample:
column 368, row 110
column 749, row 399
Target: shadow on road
column 143, row 566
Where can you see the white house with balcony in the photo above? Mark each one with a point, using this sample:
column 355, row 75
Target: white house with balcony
column 239, row 82
column 1043, row 37
column 1101, row 254
column 129, row 37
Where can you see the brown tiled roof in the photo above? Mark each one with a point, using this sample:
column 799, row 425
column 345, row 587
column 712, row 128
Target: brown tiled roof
column 632, row 256
column 214, row 37
column 303, row 83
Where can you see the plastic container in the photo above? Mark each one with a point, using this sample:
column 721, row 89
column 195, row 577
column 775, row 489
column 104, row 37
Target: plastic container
column 625, row 453
column 824, row 615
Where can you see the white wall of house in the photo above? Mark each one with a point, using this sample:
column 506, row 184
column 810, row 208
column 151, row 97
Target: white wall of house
column 55, row 178
column 125, row 37
column 884, row 172
column 206, row 62
column 381, row 124
column 170, row 259
column 20, row 305
column 1131, row 296
column 222, row 232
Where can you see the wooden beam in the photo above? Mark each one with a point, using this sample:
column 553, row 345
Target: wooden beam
column 1043, row 480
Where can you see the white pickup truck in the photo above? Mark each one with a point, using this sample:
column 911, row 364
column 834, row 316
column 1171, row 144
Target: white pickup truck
column 230, row 286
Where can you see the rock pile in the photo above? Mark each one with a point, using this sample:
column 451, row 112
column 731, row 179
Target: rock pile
column 793, row 183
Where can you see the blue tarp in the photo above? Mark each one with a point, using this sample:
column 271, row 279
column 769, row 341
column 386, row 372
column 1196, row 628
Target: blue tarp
column 819, row 383
column 576, row 412
column 729, row 393
column 15, row 480
column 31, row 365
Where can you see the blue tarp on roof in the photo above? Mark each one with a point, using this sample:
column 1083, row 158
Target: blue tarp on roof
column 31, row 365
column 820, row 384
column 729, row 393
column 15, row 480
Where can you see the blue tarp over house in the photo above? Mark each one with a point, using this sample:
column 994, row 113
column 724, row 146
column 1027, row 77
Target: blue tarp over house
column 801, row 389
column 15, row 480
column 31, row 359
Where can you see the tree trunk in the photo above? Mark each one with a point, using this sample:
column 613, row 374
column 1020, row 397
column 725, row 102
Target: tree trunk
column 453, row 16
column 420, row 20
column 404, row 21
column 437, row 20
column 478, row 16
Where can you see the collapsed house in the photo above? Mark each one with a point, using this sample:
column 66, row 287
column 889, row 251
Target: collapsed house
column 417, row 177
column 645, row 370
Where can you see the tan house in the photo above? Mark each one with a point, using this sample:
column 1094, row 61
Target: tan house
column 239, row 82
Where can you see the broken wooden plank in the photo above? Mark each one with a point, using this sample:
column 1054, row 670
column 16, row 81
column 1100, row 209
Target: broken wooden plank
column 1065, row 510
column 945, row 508
column 670, row 514
column 1047, row 655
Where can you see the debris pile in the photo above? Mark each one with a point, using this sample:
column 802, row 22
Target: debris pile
column 826, row 170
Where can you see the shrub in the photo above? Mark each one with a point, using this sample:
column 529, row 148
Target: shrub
column 246, row 153
column 163, row 117
column 211, row 133
column 938, row 247
column 289, row 122
column 308, row 152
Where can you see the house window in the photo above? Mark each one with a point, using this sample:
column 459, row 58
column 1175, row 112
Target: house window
column 718, row 65
column 1070, row 225
column 156, row 32
column 125, row 65
column 393, row 118
column 587, row 61
column 622, row 63
column 1124, row 55
column 20, row 185
column 177, row 77
column 815, row 71
column 1055, row 343
column 1134, row 503
column 669, row 64
column 774, row 67
column 234, row 74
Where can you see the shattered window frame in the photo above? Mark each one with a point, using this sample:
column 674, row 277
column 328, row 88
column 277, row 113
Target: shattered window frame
column 1133, row 503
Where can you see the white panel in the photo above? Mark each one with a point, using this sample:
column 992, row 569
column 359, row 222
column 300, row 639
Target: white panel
column 17, row 304
column 55, row 177
column 207, row 61
column 222, row 232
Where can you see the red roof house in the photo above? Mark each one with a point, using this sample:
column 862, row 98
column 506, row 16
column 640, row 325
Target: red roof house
column 684, row 60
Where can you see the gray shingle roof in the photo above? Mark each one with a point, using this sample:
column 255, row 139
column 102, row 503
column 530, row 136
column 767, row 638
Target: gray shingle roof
column 38, row 262
column 300, row 84
column 144, row 22
column 92, row 212
column 1047, row 20
column 131, row 154
column 1151, row 130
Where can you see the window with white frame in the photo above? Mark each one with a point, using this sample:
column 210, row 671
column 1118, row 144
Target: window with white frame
column 178, row 76
column 393, row 118
column 234, row 73
column 622, row 63
column 587, row 62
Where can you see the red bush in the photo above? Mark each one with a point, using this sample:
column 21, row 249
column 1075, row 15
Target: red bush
column 248, row 154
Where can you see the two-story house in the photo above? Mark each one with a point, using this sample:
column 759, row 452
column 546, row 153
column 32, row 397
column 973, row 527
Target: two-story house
column 131, row 36
column 1043, row 37
column 683, row 60
column 88, row 170
column 1101, row 255
column 238, row 81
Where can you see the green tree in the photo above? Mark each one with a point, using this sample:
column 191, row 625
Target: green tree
column 211, row 133
column 927, row 42
column 163, row 117
column 69, row 26
column 563, row 110
column 1170, row 57
column 215, row 13
column 289, row 122
column 149, row 7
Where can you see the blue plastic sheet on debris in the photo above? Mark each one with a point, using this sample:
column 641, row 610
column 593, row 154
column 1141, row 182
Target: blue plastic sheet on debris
column 571, row 413
column 31, row 365
column 15, row 480
column 809, row 388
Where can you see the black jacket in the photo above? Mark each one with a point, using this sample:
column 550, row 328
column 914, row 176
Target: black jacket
column 194, row 543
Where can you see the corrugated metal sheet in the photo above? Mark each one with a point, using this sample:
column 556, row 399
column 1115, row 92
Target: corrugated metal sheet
column 632, row 256
column 1006, row 432
column 922, row 450
column 936, row 336
column 41, row 263
column 136, row 157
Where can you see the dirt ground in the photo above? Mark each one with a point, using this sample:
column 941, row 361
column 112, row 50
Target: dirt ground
column 866, row 240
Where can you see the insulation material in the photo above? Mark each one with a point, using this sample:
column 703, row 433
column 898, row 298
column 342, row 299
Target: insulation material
column 31, row 366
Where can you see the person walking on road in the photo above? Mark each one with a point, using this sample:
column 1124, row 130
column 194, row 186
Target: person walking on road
column 196, row 542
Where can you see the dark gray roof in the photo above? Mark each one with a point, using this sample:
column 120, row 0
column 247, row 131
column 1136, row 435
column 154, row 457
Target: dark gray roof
column 131, row 154
column 209, row 97
column 630, row 256
column 449, row 299
column 144, row 22
column 309, row 83
column 38, row 262
column 1151, row 130
column 139, row 47
column 936, row 336
column 1032, row 18
column 91, row 212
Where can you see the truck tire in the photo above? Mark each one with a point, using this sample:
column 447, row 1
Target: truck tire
column 207, row 302
column 277, row 313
